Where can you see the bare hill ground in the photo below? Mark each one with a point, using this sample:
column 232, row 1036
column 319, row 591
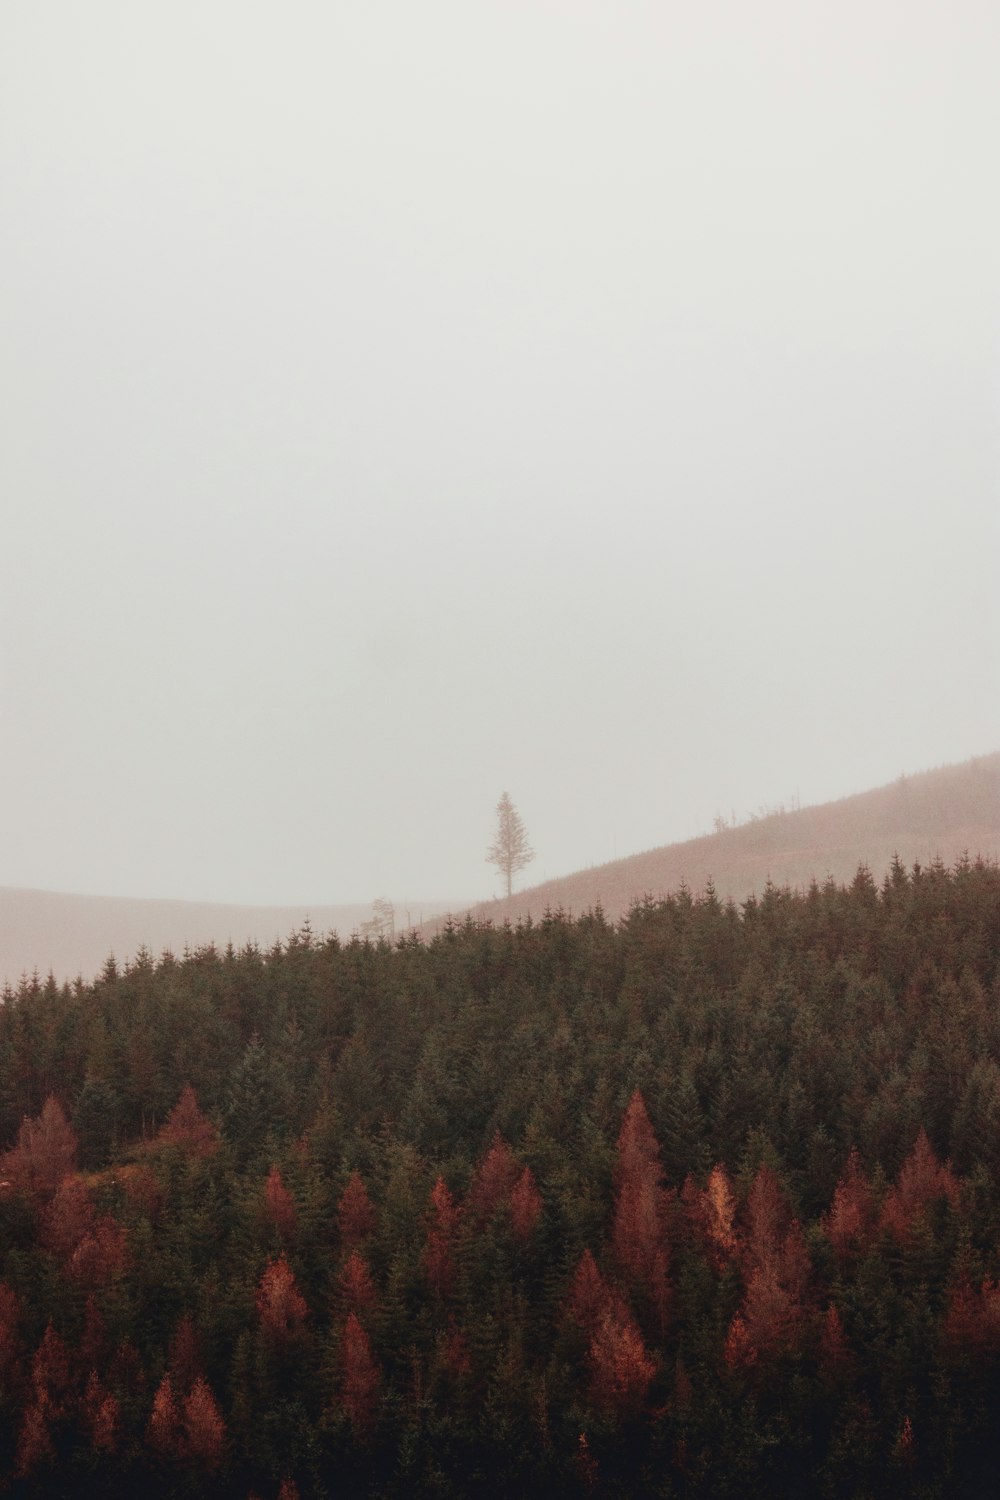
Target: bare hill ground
column 73, row 935
column 936, row 814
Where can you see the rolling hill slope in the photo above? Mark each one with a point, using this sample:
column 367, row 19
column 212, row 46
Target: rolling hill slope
column 936, row 814
column 73, row 935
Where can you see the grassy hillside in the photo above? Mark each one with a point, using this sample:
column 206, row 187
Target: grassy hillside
column 937, row 814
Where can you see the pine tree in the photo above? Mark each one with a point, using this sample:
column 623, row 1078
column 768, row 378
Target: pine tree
column 204, row 1429
column 494, row 1180
column 164, row 1420
column 621, row 1368
column 45, row 1152
column 525, row 1206
column 280, row 1305
column 637, row 1233
column 355, row 1287
column 355, row 1213
column 279, row 1206
column 186, row 1126
column 359, row 1378
column 438, row 1258
column 510, row 850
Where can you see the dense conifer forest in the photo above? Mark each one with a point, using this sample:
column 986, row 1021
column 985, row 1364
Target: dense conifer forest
column 701, row 1203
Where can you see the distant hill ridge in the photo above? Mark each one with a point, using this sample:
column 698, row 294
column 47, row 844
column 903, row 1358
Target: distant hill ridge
column 934, row 814
column 938, row 814
column 73, row 935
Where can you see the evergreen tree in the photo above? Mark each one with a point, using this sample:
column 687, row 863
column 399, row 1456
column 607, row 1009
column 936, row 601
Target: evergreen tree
column 510, row 850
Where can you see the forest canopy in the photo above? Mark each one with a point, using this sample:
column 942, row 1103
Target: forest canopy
column 702, row 1203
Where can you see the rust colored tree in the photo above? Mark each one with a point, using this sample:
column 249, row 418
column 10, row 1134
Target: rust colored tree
column 922, row 1182
column 67, row 1218
column 525, row 1206
column 360, row 1377
column 621, row 1368
column 279, row 1207
column 204, row 1429
column 777, row 1269
column 280, row 1305
column 45, row 1152
column 835, row 1357
column 102, row 1414
column 718, row 1215
column 493, row 1181
column 589, row 1297
column 850, row 1224
column 638, row 1234
column 163, row 1432
column 188, row 1128
column 355, row 1213
column 438, row 1259
column 51, row 1372
column 34, row 1444
column 971, row 1326
column 355, row 1287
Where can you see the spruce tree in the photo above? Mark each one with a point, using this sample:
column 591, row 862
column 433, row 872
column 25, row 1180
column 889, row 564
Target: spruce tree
column 510, row 850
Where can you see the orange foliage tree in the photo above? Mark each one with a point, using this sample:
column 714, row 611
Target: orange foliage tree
column 638, row 1234
column 204, row 1429
column 280, row 1305
column 718, row 1214
column 34, row 1444
column 355, row 1287
column 588, row 1297
column 279, row 1206
column 45, row 1152
column 850, row 1223
column 163, row 1430
column 525, row 1206
column 438, row 1257
column 621, row 1368
column 102, row 1414
column 355, row 1213
column 67, row 1218
column 493, row 1180
column 360, row 1377
column 921, row 1183
column 776, row 1266
column 187, row 1127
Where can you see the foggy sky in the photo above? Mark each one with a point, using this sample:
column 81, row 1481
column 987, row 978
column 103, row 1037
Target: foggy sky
column 407, row 402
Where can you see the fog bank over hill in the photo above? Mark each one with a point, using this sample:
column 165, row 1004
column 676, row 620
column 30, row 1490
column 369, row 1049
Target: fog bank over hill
column 73, row 935
column 404, row 403
column 939, row 814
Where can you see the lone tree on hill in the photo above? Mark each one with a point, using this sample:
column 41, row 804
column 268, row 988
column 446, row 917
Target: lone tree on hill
column 510, row 850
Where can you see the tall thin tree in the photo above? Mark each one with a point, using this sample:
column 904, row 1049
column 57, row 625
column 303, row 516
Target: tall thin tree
column 510, row 850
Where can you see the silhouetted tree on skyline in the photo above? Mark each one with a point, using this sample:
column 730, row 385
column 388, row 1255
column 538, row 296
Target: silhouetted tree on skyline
column 510, row 850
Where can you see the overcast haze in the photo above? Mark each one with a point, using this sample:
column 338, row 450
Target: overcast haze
column 405, row 402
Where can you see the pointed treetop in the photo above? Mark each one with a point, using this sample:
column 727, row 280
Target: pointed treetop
column 510, row 850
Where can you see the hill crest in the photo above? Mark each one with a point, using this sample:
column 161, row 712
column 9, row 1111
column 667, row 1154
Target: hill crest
column 938, row 814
